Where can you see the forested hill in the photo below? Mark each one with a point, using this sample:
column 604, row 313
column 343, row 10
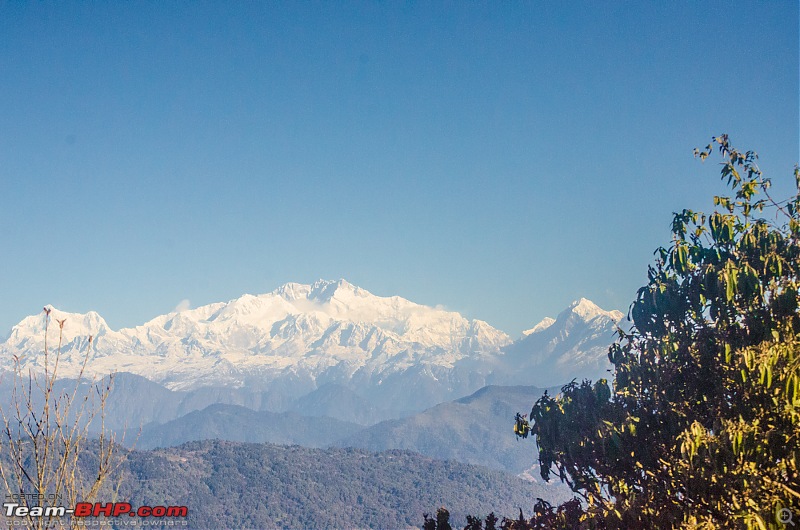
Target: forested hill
column 243, row 485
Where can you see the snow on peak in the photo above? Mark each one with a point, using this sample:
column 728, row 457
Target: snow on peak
column 307, row 329
column 587, row 310
column 541, row 326
column 75, row 325
column 292, row 291
column 320, row 291
column 326, row 290
column 581, row 310
column 89, row 323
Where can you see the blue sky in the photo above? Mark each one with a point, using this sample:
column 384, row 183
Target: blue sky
column 499, row 159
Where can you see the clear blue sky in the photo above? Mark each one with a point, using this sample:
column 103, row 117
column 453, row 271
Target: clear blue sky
column 499, row 159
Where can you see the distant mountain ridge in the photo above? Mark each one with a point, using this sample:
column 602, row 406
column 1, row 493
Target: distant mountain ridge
column 574, row 345
column 394, row 353
column 239, row 424
column 476, row 429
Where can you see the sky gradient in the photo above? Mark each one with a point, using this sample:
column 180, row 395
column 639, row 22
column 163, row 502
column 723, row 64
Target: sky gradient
column 498, row 159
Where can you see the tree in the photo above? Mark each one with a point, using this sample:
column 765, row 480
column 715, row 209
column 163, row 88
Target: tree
column 702, row 428
column 46, row 456
column 442, row 521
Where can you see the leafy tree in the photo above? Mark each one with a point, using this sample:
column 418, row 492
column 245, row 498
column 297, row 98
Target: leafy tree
column 702, row 429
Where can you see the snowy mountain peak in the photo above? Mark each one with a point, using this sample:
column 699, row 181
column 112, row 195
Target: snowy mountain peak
column 326, row 290
column 574, row 345
column 292, row 291
column 545, row 323
column 327, row 331
column 75, row 325
column 301, row 336
column 321, row 291
column 587, row 310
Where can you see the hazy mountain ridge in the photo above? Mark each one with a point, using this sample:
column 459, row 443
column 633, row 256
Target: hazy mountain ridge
column 239, row 424
column 476, row 429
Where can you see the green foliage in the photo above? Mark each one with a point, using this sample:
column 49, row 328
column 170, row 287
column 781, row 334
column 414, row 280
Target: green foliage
column 521, row 426
column 702, row 429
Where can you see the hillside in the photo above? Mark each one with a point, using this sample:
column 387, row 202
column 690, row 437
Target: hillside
column 240, row 485
column 476, row 429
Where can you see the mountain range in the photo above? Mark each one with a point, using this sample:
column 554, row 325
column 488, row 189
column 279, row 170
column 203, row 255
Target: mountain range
column 476, row 429
column 392, row 355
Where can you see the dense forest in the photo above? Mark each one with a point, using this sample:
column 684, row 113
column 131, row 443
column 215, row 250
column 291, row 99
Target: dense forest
column 244, row 485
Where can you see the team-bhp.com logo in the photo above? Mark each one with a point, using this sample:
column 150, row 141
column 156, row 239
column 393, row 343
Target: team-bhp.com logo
column 96, row 509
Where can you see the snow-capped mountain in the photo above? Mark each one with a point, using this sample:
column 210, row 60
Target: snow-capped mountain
column 545, row 323
column 573, row 345
column 398, row 354
column 297, row 337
